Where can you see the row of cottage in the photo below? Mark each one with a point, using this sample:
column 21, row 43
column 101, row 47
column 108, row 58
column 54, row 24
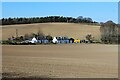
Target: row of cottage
column 57, row 40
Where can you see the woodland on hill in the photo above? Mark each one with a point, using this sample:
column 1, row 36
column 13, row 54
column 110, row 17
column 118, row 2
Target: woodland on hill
column 80, row 19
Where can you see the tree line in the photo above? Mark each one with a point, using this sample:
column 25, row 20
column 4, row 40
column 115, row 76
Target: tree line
column 110, row 32
column 80, row 19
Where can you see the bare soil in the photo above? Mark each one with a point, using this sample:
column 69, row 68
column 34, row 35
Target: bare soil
column 60, row 61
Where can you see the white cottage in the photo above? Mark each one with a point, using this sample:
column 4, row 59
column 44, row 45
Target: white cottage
column 34, row 40
column 55, row 40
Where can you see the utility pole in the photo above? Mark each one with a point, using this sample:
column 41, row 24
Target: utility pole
column 16, row 33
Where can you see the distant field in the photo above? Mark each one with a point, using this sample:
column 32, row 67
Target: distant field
column 61, row 61
column 54, row 29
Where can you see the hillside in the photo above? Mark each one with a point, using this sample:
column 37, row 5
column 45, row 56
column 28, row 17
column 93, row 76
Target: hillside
column 55, row 29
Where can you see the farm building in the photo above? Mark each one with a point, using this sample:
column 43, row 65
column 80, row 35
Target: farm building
column 34, row 40
column 55, row 40
column 71, row 40
column 63, row 41
column 77, row 41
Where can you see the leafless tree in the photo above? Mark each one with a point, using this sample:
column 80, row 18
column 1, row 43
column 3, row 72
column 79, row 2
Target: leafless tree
column 109, row 32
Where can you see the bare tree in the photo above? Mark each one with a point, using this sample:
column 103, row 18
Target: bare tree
column 109, row 32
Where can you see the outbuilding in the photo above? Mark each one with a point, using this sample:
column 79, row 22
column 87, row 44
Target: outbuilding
column 34, row 40
column 55, row 40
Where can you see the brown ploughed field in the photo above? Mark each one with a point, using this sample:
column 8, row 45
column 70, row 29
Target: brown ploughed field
column 61, row 61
